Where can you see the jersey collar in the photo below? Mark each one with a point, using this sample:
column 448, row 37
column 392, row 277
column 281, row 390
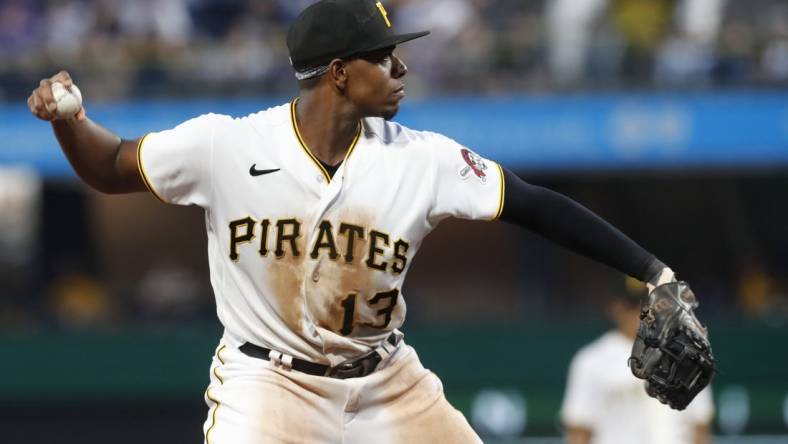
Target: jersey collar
column 315, row 161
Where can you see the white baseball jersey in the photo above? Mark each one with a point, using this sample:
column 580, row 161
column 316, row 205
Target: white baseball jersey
column 302, row 263
column 603, row 396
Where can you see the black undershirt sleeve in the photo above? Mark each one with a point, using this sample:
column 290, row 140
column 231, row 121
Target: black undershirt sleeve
column 567, row 223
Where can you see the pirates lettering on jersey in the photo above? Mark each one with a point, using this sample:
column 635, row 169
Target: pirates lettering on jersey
column 285, row 234
column 333, row 244
column 351, row 233
column 325, row 239
column 245, row 226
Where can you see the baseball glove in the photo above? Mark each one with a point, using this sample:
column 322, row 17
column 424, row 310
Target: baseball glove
column 672, row 351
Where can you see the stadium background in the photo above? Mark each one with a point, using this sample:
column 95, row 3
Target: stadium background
column 669, row 118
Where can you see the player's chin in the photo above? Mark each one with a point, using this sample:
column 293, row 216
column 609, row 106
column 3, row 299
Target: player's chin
column 389, row 111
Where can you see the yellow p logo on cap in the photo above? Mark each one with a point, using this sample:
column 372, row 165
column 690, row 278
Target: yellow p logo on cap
column 383, row 13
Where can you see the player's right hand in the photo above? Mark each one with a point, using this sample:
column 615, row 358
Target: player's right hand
column 41, row 102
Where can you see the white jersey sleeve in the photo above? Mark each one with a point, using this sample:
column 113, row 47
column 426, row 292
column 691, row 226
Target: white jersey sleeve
column 175, row 164
column 467, row 186
column 580, row 402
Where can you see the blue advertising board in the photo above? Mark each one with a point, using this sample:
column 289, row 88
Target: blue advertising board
column 537, row 133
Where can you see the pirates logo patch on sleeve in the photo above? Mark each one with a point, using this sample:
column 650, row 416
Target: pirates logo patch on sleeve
column 475, row 166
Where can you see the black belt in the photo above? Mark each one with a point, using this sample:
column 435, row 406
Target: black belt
column 352, row 368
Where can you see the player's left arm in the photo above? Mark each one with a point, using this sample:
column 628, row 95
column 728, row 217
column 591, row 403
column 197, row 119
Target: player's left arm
column 667, row 320
column 566, row 222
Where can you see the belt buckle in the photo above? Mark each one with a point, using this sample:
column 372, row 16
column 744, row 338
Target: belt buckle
column 356, row 367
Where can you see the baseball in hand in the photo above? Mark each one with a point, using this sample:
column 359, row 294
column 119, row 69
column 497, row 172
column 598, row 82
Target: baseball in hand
column 69, row 100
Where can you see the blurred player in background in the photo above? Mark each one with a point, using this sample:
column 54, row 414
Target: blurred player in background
column 603, row 404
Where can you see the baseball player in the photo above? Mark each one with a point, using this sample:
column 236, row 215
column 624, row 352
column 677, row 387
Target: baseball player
column 314, row 211
column 604, row 404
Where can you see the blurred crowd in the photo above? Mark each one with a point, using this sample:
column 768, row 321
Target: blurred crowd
column 143, row 48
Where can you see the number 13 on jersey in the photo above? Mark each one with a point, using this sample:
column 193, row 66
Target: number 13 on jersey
column 385, row 301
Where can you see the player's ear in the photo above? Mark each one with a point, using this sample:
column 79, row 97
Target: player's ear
column 337, row 70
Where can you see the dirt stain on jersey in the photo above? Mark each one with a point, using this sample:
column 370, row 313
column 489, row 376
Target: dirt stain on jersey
column 340, row 279
column 286, row 277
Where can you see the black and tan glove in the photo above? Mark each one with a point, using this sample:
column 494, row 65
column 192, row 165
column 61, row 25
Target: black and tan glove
column 672, row 350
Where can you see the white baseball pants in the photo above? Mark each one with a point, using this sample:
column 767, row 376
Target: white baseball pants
column 251, row 401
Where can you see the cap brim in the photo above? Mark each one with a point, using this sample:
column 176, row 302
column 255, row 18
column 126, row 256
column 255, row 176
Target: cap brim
column 394, row 40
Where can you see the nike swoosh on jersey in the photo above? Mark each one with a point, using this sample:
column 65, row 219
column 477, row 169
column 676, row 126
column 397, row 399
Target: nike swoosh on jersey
column 255, row 172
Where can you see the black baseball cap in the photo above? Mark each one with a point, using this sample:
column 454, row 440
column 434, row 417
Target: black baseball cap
column 341, row 29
